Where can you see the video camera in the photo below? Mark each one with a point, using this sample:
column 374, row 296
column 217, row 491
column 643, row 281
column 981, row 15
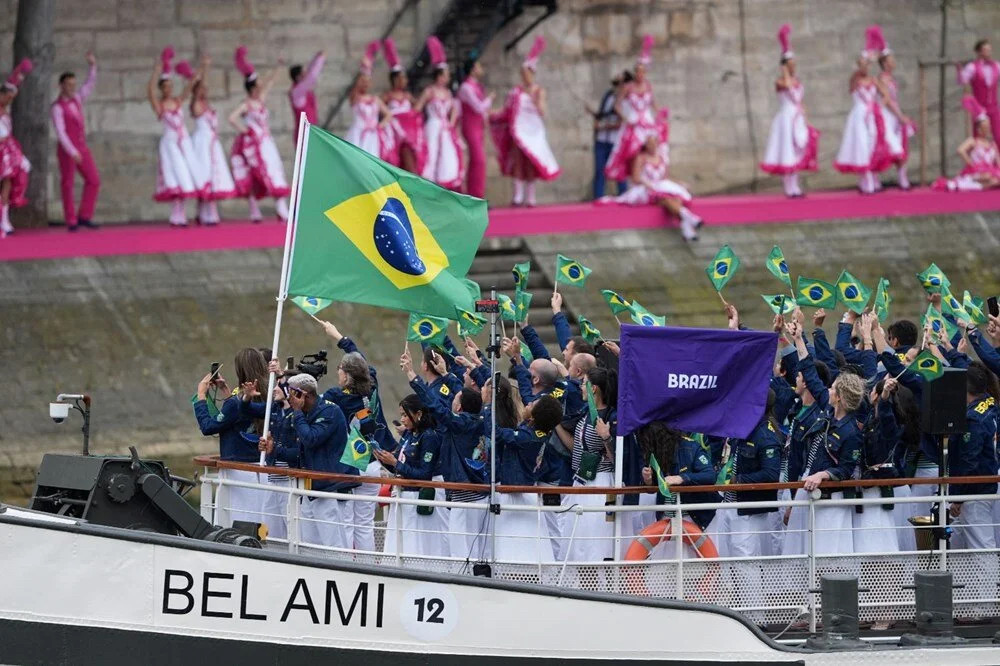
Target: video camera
column 313, row 364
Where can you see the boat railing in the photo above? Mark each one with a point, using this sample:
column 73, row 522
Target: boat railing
column 681, row 562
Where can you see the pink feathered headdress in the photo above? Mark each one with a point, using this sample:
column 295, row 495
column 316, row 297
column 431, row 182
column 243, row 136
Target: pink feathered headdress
column 166, row 57
column 17, row 76
column 244, row 65
column 391, row 55
column 184, row 69
column 646, row 54
column 368, row 60
column 976, row 110
column 878, row 43
column 872, row 48
column 784, row 34
column 436, row 51
column 531, row 60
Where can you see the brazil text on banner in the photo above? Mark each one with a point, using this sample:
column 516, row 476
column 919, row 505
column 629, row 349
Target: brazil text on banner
column 370, row 233
column 699, row 380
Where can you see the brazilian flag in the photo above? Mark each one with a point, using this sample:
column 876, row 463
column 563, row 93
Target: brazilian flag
column 508, row 312
column 974, row 308
column 927, row 365
column 368, row 232
column 616, row 302
column 776, row 264
column 951, row 305
column 815, row 293
column 311, row 305
column 723, row 267
column 725, row 476
column 522, row 305
column 938, row 324
column 358, row 451
column 570, row 271
column 661, row 483
column 426, row 329
column 592, row 414
column 521, row 272
column 779, row 303
column 469, row 323
column 644, row 317
column 589, row 332
column 526, row 354
column 933, row 279
column 852, row 293
column 882, row 300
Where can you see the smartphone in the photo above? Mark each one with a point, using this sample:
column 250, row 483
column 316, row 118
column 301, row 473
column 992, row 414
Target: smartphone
column 992, row 306
column 396, row 423
column 290, row 363
column 215, row 369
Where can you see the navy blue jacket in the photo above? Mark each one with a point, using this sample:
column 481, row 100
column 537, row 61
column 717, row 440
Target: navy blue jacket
column 535, row 344
column 417, row 455
column 881, row 441
column 694, row 465
column 563, row 332
column 556, row 468
column 445, row 387
column 758, row 460
column 464, row 456
column 840, row 454
column 974, row 454
column 519, row 453
column 823, row 352
column 351, row 403
column 320, row 438
column 987, row 354
column 230, row 425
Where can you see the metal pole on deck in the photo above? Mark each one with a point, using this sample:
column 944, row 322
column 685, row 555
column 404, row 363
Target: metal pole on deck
column 494, row 509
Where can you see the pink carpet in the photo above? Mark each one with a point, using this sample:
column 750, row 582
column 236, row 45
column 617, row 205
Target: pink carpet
column 57, row 243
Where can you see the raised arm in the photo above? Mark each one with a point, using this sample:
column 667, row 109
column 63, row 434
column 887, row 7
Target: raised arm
column 88, row 86
column 151, row 88
column 309, row 79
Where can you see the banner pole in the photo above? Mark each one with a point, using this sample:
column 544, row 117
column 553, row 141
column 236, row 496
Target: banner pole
column 494, row 509
column 286, row 261
column 619, row 499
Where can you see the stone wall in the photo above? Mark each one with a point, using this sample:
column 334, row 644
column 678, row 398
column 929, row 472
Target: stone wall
column 714, row 66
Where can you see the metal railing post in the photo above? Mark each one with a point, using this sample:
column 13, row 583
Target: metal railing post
column 812, row 562
column 677, row 534
column 399, row 532
column 292, row 506
column 207, row 510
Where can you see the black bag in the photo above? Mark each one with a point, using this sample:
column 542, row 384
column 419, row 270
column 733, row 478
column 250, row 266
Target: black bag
column 587, row 471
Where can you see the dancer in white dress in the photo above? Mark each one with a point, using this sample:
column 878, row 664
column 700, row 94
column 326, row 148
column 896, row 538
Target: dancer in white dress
column 863, row 149
column 409, row 148
column 519, row 133
column 174, row 179
column 444, row 149
column 256, row 165
column 366, row 132
column 793, row 143
column 211, row 168
column 14, row 166
column 898, row 126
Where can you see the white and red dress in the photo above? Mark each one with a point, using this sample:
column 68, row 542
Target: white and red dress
column 444, row 149
column 174, row 178
column 256, row 165
column 211, row 171
column 364, row 130
column 793, row 143
column 638, row 124
column 655, row 186
column 897, row 133
column 863, row 147
column 13, row 164
column 408, row 132
column 985, row 159
column 520, row 127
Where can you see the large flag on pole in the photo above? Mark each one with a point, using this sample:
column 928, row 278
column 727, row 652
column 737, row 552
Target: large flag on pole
column 368, row 232
column 710, row 381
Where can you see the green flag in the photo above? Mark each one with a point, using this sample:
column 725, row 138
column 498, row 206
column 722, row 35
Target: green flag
column 616, row 302
column 522, row 306
column 521, row 272
column 815, row 293
column 426, row 329
column 592, row 414
column 723, row 267
column 882, row 300
column 526, row 354
column 933, row 279
column 589, row 332
column 507, row 310
column 938, row 324
column 974, row 308
column 309, row 304
column 571, row 271
column 367, row 232
column 951, row 305
column 358, row 452
column 927, row 365
column 852, row 293
column 661, row 483
column 469, row 323
column 725, row 476
column 779, row 303
column 646, row 318
column 776, row 264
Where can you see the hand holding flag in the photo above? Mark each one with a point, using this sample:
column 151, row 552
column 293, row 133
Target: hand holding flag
column 661, row 483
column 722, row 269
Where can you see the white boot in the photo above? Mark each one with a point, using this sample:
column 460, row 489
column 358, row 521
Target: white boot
column 255, row 215
column 5, row 226
column 177, row 217
column 904, row 182
column 796, row 188
column 689, row 224
column 529, row 193
column 518, row 192
column 203, row 215
column 788, row 184
column 281, row 208
column 213, row 212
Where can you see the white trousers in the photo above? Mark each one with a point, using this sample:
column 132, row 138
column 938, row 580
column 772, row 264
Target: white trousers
column 321, row 522
column 234, row 503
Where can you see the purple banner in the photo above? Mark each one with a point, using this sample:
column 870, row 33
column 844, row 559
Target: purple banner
column 699, row 380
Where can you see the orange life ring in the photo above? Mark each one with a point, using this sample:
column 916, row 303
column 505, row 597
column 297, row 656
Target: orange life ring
column 651, row 536
column 385, row 490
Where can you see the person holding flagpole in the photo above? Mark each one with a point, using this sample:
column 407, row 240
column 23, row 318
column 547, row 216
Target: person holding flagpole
column 367, row 131
column 409, row 149
column 444, row 149
column 14, row 166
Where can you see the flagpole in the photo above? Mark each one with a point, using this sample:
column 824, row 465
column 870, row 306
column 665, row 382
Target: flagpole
column 494, row 509
column 301, row 147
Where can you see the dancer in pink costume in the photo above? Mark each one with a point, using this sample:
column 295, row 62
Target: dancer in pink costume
column 256, row 165
column 366, row 130
column 211, row 168
column 175, row 179
column 14, row 166
column 72, row 151
column 444, row 149
column 898, row 126
column 640, row 119
column 519, row 133
column 979, row 151
column 475, row 111
column 863, row 149
column 409, row 147
column 980, row 77
column 793, row 143
column 301, row 94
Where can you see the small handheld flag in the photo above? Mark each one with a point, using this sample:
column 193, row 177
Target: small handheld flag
column 521, row 272
column 725, row 476
column 526, row 354
column 927, row 365
column 645, row 318
column 776, row 264
column 507, row 310
column 592, row 414
column 974, row 308
column 938, row 324
column 522, row 306
column 723, row 267
column 779, row 303
column 933, row 279
column 589, row 332
column 661, row 483
column 815, row 293
column 358, row 451
column 571, row 272
column 882, row 300
column 852, row 293
column 426, row 329
column 311, row 305
column 951, row 305
column 616, row 302
column 469, row 323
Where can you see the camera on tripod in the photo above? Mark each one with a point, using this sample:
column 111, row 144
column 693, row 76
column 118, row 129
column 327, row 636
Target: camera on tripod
column 313, row 364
